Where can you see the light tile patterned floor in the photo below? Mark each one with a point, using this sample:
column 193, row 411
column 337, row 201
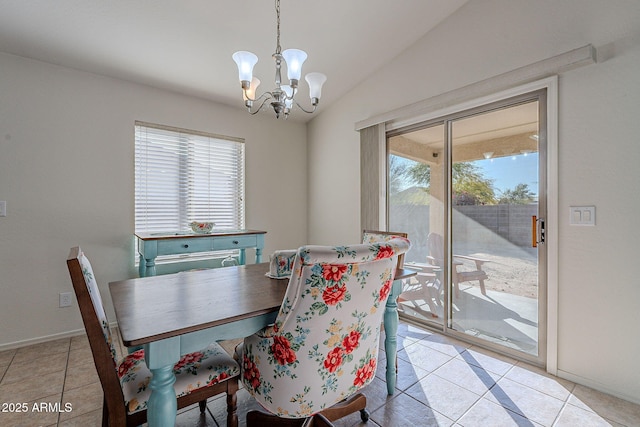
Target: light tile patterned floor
column 441, row 382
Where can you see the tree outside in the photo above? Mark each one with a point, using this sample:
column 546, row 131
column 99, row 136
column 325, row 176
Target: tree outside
column 409, row 182
column 520, row 195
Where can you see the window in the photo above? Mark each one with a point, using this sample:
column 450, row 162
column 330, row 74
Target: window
column 183, row 176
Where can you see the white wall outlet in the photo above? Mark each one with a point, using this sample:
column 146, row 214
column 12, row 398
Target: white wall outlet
column 3, row 208
column 66, row 299
column 582, row 215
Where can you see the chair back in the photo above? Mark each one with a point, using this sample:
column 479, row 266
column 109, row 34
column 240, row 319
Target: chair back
column 281, row 263
column 372, row 236
column 96, row 325
column 324, row 345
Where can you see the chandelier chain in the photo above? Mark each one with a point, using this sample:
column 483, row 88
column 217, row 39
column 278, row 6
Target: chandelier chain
column 278, row 48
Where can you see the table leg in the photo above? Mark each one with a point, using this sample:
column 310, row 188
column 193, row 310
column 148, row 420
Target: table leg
column 150, row 267
column 258, row 255
column 142, row 267
column 162, row 406
column 391, row 329
column 242, row 257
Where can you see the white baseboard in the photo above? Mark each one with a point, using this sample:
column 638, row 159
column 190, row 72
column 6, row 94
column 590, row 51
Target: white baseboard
column 46, row 338
column 53, row 337
column 597, row 386
column 38, row 340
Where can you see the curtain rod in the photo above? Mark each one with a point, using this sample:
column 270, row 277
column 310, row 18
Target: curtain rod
column 567, row 61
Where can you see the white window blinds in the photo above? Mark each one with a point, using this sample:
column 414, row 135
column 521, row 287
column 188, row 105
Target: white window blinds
column 183, row 176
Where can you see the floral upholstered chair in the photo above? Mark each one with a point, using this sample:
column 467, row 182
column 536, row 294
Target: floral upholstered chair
column 199, row 375
column 281, row 263
column 323, row 347
column 373, row 236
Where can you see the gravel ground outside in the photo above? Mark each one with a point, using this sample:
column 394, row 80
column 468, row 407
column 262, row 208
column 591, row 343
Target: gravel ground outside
column 516, row 275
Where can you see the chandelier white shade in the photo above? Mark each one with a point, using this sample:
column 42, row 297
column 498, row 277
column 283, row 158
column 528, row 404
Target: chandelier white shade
column 251, row 92
column 294, row 59
column 282, row 97
column 315, row 82
column 246, row 61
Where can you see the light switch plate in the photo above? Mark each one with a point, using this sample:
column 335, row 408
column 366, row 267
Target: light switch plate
column 3, row 208
column 582, row 215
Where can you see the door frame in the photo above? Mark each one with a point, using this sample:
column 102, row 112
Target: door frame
column 548, row 357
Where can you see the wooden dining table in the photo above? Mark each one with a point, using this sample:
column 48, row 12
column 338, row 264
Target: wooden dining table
column 174, row 314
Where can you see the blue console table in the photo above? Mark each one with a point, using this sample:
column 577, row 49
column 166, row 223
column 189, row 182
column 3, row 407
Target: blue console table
column 150, row 245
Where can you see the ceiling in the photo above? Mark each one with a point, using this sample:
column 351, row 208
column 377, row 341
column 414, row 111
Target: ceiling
column 519, row 119
column 507, row 131
column 186, row 45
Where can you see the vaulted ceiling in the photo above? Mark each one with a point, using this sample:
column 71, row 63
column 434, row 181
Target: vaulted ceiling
column 186, row 45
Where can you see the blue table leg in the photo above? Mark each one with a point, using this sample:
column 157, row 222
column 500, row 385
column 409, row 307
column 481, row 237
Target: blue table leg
column 258, row 255
column 161, row 356
column 242, row 257
column 391, row 331
column 162, row 405
column 142, row 267
column 150, row 267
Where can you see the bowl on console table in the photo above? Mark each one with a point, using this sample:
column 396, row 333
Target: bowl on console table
column 201, row 227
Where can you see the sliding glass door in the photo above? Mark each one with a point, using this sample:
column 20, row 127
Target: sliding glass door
column 495, row 206
column 469, row 190
column 416, row 204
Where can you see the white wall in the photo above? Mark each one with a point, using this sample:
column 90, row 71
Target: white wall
column 599, row 292
column 66, row 172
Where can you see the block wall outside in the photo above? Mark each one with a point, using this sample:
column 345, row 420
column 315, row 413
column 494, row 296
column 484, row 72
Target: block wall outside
column 475, row 227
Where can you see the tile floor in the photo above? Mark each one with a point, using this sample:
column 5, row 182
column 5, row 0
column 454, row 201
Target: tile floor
column 441, row 382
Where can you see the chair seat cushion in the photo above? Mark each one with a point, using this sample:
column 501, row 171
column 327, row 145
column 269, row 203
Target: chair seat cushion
column 194, row 370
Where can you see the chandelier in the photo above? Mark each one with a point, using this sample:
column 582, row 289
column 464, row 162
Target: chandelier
column 282, row 97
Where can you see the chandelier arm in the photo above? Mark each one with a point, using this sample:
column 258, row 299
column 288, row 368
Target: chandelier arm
column 305, row 110
column 267, row 97
column 294, row 91
column 267, row 94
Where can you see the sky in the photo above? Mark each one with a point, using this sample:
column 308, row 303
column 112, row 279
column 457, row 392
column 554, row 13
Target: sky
column 507, row 172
